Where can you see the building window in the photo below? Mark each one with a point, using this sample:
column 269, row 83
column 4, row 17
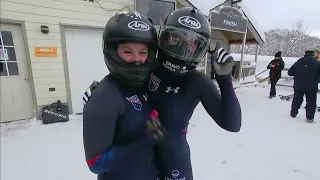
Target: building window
column 8, row 59
column 156, row 10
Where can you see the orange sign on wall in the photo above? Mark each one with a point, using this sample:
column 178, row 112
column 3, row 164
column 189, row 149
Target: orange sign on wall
column 46, row 51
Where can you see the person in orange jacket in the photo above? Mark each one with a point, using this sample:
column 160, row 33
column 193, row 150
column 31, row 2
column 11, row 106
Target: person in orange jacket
column 275, row 66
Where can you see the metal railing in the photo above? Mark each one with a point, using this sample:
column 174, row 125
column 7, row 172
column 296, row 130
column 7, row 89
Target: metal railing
column 248, row 71
column 285, row 80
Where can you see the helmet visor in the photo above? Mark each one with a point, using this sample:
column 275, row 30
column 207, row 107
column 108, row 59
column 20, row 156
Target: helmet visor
column 183, row 44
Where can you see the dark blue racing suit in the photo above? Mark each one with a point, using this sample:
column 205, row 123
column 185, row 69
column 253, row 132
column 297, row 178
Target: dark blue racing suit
column 115, row 140
column 175, row 98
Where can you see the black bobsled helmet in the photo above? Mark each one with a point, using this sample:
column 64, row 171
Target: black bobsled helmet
column 184, row 39
column 129, row 27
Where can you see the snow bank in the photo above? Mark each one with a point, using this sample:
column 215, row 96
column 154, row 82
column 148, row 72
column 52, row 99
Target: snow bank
column 270, row 145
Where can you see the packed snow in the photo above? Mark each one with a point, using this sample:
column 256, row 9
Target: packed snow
column 270, row 145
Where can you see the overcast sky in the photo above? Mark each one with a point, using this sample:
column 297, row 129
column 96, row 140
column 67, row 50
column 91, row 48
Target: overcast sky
column 271, row 14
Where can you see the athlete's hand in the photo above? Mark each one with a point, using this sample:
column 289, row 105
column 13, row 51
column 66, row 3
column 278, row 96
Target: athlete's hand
column 223, row 61
column 155, row 130
column 87, row 94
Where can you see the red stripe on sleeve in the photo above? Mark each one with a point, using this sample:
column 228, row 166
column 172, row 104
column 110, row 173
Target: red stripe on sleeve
column 93, row 160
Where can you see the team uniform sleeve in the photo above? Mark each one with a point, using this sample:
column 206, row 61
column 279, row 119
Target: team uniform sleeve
column 99, row 122
column 268, row 66
column 291, row 71
column 224, row 109
column 281, row 65
column 318, row 64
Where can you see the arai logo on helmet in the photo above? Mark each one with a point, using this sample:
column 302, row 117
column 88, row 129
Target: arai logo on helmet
column 189, row 22
column 138, row 26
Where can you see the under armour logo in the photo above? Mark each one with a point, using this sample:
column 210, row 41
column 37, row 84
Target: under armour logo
column 145, row 96
column 169, row 89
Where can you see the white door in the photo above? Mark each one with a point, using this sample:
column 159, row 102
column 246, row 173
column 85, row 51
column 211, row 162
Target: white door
column 15, row 89
column 85, row 62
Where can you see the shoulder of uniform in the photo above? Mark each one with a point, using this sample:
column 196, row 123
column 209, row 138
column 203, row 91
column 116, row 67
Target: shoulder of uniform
column 106, row 85
column 197, row 78
column 107, row 92
column 197, row 74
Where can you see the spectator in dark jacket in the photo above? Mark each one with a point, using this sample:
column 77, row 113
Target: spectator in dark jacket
column 306, row 72
column 213, row 74
column 317, row 57
column 275, row 66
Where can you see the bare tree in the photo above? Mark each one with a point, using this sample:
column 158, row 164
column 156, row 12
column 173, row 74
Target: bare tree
column 292, row 43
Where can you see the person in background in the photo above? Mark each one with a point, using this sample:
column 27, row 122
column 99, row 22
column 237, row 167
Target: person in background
column 275, row 66
column 213, row 74
column 306, row 72
column 317, row 55
column 120, row 128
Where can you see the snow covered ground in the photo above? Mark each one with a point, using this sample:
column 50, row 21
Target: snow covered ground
column 270, row 146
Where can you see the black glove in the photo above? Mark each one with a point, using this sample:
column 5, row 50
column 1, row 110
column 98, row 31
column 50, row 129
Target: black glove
column 87, row 94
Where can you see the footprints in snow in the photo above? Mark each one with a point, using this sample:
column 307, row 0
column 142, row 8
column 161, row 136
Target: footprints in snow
column 225, row 162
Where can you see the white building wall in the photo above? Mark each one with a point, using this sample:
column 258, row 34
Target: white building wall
column 49, row 71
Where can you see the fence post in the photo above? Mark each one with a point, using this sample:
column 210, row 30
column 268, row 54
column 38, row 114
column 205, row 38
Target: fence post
column 242, row 53
column 256, row 57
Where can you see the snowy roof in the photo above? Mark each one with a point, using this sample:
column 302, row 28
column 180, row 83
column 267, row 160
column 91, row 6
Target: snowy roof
column 253, row 21
column 206, row 6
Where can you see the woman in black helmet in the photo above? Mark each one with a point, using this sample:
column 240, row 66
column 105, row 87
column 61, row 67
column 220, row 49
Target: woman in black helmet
column 176, row 88
column 117, row 141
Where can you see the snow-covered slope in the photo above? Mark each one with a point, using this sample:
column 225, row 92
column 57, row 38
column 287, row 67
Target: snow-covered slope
column 270, row 146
